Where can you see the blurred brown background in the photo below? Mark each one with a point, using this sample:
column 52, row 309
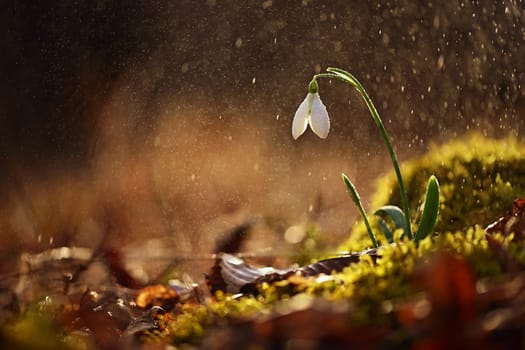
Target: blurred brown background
column 171, row 119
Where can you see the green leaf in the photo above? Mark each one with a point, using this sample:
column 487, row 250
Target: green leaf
column 397, row 216
column 352, row 191
column 430, row 210
column 389, row 235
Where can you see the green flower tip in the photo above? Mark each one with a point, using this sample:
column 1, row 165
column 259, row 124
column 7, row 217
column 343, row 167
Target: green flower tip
column 313, row 88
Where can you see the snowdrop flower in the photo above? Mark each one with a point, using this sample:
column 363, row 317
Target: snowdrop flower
column 311, row 112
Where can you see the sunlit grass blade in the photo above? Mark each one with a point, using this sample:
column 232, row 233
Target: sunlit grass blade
column 397, row 216
column 357, row 201
column 430, row 210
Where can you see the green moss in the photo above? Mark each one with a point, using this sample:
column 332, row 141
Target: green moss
column 370, row 284
column 479, row 179
column 365, row 284
column 192, row 320
column 189, row 324
column 35, row 329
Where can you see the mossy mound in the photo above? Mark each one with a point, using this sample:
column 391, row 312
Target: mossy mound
column 365, row 292
column 479, row 178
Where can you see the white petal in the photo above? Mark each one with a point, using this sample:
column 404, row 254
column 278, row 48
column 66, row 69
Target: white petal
column 319, row 120
column 300, row 120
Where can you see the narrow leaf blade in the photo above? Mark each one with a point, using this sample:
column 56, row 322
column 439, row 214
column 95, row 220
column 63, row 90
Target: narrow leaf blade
column 430, row 210
column 352, row 191
column 357, row 201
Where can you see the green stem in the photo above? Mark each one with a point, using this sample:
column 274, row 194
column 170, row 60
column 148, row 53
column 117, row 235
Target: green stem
column 384, row 134
column 350, row 79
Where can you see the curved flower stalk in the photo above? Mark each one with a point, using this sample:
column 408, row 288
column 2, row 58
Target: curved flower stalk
column 313, row 112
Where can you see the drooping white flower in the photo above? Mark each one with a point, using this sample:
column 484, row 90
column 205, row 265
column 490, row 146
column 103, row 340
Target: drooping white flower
column 311, row 112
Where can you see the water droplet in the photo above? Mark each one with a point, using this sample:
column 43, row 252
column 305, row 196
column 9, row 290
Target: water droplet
column 238, row 43
column 294, row 234
column 267, row 4
column 441, row 62
column 436, row 22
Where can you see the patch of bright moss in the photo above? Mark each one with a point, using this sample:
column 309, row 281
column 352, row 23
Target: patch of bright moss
column 479, row 178
column 192, row 320
column 365, row 284
column 369, row 283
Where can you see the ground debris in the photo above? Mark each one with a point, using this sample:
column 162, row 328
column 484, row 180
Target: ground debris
column 445, row 304
column 233, row 275
column 451, row 310
column 514, row 222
